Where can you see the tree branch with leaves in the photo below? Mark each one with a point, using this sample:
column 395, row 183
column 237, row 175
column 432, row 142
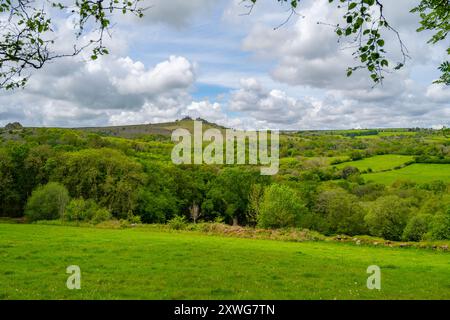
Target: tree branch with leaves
column 366, row 26
column 27, row 42
column 26, row 30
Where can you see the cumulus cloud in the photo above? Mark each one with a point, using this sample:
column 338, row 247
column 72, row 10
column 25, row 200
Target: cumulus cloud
column 175, row 73
column 101, row 89
column 290, row 78
column 270, row 106
column 309, row 54
column 438, row 93
column 306, row 53
column 206, row 110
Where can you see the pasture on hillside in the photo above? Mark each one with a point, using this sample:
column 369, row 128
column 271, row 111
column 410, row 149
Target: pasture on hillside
column 378, row 163
column 419, row 172
column 142, row 264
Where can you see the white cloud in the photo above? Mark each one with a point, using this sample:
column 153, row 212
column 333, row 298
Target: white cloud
column 293, row 77
column 206, row 110
column 175, row 73
column 272, row 107
column 438, row 93
column 108, row 88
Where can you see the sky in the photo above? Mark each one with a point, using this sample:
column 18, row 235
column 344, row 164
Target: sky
column 209, row 59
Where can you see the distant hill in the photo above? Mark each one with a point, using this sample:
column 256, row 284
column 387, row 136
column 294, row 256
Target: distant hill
column 166, row 128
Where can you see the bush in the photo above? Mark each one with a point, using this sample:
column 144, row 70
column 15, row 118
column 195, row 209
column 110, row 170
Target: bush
column 387, row 217
column 101, row 215
column 417, row 227
column 177, row 223
column 79, row 210
column 349, row 171
column 47, row 202
column 133, row 219
column 85, row 210
column 281, row 207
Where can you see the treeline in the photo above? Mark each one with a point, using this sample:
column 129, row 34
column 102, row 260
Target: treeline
column 433, row 159
column 321, row 145
column 75, row 176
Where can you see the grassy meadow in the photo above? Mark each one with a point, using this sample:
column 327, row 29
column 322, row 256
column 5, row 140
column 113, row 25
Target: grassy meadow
column 378, row 163
column 143, row 264
column 111, row 201
column 418, row 172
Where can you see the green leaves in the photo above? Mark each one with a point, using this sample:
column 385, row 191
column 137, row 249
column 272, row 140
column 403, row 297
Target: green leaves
column 26, row 38
column 361, row 29
column 365, row 26
column 445, row 77
column 352, row 6
column 435, row 17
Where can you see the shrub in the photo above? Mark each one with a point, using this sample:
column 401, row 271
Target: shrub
column 417, row 227
column 47, row 202
column 79, row 210
column 133, row 219
column 177, row 223
column 281, row 207
column 349, row 171
column 86, row 210
column 101, row 215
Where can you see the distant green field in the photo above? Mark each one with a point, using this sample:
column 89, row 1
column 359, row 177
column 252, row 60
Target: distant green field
column 418, row 172
column 378, row 163
column 389, row 134
column 143, row 264
column 397, row 133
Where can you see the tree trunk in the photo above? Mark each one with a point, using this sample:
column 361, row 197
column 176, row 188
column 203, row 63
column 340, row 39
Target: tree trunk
column 235, row 221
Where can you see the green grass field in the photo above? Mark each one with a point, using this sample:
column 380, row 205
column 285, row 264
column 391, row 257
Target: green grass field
column 421, row 173
column 378, row 163
column 388, row 135
column 143, row 264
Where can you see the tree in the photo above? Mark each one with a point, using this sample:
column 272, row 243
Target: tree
column 417, row 227
column 194, row 209
column 255, row 198
column 440, row 226
column 229, row 192
column 156, row 206
column 388, row 217
column 365, row 24
column 281, row 207
column 9, row 195
column 34, row 164
column 341, row 212
column 47, row 202
column 104, row 175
